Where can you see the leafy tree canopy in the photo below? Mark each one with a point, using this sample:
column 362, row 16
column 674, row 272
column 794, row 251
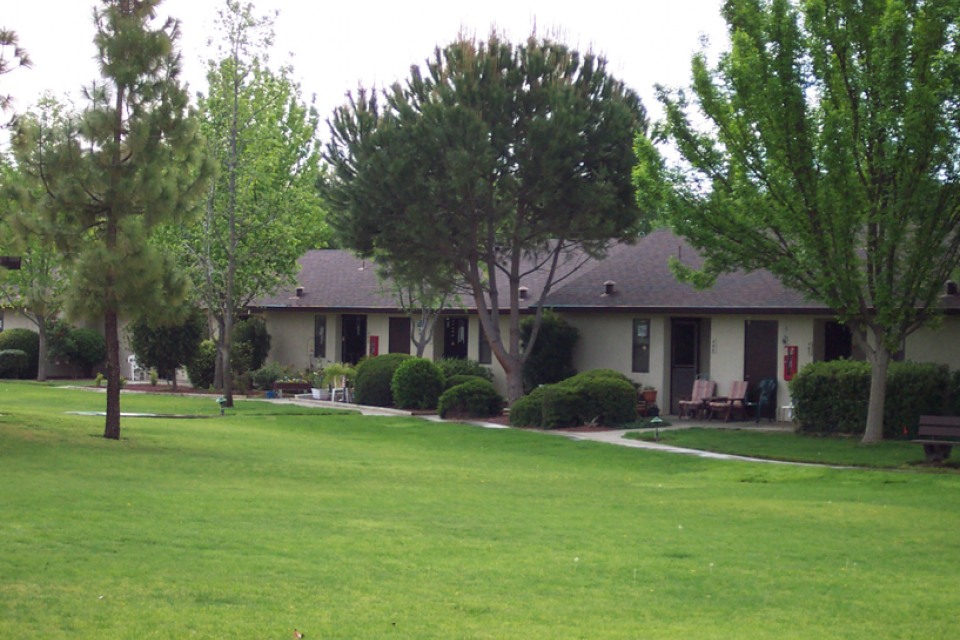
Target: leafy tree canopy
column 491, row 162
column 830, row 156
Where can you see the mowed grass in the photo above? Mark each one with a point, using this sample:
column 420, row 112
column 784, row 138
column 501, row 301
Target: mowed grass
column 344, row 526
column 799, row 448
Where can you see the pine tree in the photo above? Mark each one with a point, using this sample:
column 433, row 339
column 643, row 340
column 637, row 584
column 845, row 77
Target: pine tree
column 132, row 160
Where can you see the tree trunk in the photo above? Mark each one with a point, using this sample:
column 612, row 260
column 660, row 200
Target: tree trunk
column 218, row 361
column 879, row 359
column 227, row 368
column 42, row 358
column 112, row 429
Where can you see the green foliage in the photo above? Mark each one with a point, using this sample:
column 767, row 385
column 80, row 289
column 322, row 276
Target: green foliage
column 561, row 407
column 607, row 400
column 167, row 346
column 453, row 381
column 832, row 397
column 464, row 367
column 592, row 374
column 417, row 384
column 825, row 123
column 26, row 341
column 131, row 161
column 84, row 348
column 253, row 331
column 13, row 361
column 528, row 410
column 374, row 376
column 551, row 359
column 200, row 370
column 264, row 377
column 535, row 145
column 472, row 399
column 89, row 348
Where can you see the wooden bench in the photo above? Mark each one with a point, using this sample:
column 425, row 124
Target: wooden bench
column 934, row 427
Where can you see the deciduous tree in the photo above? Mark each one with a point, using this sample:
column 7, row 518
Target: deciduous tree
column 493, row 162
column 830, row 156
column 263, row 211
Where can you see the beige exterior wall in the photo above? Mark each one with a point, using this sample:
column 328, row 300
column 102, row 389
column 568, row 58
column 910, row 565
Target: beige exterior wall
column 940, row 345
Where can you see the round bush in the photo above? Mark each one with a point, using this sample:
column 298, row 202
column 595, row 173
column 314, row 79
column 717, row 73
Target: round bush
column 551, row 359
column 22, row 340
column 607, row 400
column 374, row 375
column 12, row 360
column 463, row 367
column 561, row 406
column 89, row 349
column 203, row 366
column 264, row 377
column 453, row 381
column 528, row 410
column 594, row 373
column 417, row 384
column 474, row 399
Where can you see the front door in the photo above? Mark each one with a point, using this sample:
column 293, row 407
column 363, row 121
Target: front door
column 455, row 338
column 399, row 335
column 684, row 359
column 760, row 357
column 353, row 338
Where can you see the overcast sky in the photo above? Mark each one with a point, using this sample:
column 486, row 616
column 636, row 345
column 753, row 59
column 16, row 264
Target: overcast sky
column 334, row 46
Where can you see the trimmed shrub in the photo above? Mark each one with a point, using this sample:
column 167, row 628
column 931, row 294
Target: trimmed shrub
column 474, row 399
column 22, row 340
column 913, row 389
column 594, row 373
column 12, row 360
column 90, row 349
column 417, row 384
column 374, row 376
column 453, row 381
column 203, row 366
column 253, row 332
column 561, row 406
column 551, row 359
column 832, row 397
column 264, row 377
column 607, row 399
column 527, row 411
column 463, row 367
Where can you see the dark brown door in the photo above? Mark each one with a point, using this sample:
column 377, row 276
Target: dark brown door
column 353, row 338
column 684, row 359
column 837, row 341
column 399, row 335
column 760, row 357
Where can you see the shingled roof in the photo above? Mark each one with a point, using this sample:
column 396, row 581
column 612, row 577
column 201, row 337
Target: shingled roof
column 334, row 279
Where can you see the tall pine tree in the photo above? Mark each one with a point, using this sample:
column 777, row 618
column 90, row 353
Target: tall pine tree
column 132, row 160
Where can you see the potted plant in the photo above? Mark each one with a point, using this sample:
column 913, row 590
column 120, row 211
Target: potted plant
column 649, row 394
column 338, row 375
column 315, row 378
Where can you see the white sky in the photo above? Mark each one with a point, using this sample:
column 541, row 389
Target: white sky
column 337, row 45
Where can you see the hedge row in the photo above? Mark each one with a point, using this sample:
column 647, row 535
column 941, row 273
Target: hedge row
column 832, row 397
column 602, row 395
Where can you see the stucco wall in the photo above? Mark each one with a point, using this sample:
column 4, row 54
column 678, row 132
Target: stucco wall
column 936, row 345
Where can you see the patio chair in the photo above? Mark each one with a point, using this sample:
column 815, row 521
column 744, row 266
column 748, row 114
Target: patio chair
column 734, row 403
column 695, row 404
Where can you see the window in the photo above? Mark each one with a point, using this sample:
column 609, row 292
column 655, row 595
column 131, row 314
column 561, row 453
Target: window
column 319, row 336
column 641, row 346
column 484, row 354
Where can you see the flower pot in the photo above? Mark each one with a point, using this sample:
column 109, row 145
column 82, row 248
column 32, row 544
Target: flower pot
column 271, row 395
column 650, row 396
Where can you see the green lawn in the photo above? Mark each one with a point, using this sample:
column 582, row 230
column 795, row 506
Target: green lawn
column 798, row 448
column 349, row 527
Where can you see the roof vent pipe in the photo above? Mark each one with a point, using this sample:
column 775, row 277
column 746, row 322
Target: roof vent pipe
column 523, row 291
column 609, row 288
column 299, row 292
